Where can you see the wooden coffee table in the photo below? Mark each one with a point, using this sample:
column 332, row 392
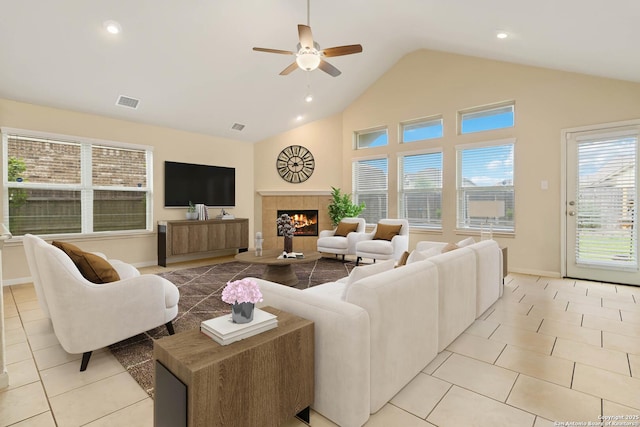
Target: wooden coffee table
column 278, row 270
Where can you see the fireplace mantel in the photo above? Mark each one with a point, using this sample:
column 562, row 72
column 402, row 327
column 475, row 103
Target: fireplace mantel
column 293, row 192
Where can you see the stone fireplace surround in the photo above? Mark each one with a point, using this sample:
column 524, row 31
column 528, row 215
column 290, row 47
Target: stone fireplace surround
column 272, row 201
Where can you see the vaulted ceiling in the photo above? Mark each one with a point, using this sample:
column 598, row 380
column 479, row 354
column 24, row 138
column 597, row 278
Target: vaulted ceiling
column 191, row 64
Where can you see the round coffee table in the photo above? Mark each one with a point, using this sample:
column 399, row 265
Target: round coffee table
column 277, row 270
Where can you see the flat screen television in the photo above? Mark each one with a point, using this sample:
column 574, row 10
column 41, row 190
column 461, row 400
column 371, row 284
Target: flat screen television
column 213, row 186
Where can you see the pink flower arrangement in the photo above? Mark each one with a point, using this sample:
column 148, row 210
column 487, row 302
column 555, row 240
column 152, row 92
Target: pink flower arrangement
column 245, row 290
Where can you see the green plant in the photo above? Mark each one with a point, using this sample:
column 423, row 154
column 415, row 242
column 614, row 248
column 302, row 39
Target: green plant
column 15, row 169
column 343, row 207
column 191, row 208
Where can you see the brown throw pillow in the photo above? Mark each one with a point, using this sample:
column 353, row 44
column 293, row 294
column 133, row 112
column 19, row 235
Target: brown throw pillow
column 403, row 259
column 92, row 267
column 386, row 231
column 450, row 247
column 345, row 228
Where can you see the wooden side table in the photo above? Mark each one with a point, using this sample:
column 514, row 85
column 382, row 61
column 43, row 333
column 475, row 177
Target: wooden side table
column 505, row 259
column 263, row 380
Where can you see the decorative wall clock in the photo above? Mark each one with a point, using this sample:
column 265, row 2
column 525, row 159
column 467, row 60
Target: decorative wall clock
column 295, row 164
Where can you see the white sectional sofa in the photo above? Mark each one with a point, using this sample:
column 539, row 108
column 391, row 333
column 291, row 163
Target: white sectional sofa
column 375, row 332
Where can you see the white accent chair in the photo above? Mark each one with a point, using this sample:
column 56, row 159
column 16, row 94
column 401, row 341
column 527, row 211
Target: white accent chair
column 87, row 316
column 384, row 249
column 328, row 242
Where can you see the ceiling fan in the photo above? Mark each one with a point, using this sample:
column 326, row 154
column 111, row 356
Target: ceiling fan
column 309, row 56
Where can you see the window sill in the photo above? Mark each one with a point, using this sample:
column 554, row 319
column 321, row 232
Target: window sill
column 78, row 237
column 474, row 233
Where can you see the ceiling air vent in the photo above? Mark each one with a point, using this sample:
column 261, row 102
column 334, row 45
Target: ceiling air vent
column 237, row 126
column 125, row 101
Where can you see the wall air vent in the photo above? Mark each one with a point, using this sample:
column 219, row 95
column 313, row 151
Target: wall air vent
column 125, row 101
column 237, row 126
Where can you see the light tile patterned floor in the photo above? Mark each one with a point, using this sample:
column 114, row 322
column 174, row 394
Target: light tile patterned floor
column 549, row 350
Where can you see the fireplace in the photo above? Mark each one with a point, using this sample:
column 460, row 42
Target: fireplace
column 304, row 221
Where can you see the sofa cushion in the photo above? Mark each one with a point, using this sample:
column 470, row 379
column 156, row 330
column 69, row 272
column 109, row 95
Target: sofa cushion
column 450, row 247
column 422, row 255
column 92, row 267
column 386, row 231
column 331, row 289
column 345, row 228
column 466, row 242
column 363, row 271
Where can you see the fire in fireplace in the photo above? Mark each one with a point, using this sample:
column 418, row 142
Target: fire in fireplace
column 304, row 221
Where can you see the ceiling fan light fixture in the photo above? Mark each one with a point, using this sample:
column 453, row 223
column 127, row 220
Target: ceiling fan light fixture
column 308, row 59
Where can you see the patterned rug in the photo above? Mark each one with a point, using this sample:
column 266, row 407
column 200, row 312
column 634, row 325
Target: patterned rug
column 200, row 299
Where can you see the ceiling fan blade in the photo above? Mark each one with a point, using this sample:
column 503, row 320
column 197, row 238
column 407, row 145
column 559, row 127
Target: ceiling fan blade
column 342, row 50
column 264, row 49
column 289, row 69
column 328, row 68
column 304, row 34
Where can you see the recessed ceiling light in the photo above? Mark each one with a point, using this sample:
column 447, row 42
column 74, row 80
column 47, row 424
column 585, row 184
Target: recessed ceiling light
column 112, row 27
column 502, row 35
column 308, row 98
column 300, row 117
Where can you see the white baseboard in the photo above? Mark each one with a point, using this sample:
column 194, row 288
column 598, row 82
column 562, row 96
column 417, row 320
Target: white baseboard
column 17, row 281
column 4, row 380
column 543, row 273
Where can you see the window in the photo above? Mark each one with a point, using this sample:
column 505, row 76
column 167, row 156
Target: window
column 371, row 138
column 421, row 130
column 420, row 189
column 485, row 184
column 370, row 187
column 58, row 185
column 487, row 118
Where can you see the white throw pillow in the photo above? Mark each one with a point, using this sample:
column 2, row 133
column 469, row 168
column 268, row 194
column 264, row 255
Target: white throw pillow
column 416, row 256
column 363, row 271
column 466, row 242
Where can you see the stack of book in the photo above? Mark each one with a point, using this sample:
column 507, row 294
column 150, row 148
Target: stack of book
column 291, row 255
column 223, row 331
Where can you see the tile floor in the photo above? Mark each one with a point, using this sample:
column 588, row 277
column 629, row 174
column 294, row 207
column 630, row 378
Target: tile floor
column 549, row 350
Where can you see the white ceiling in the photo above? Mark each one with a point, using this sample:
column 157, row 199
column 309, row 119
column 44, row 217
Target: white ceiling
column 191, row 64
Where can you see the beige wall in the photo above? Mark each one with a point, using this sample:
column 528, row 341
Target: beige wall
column 323, row 138
column 426, row 83
column 169, row 144
column 423, row 83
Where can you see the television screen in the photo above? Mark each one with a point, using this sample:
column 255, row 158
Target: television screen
column 213, row 186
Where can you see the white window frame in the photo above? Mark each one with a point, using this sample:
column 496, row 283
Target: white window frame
column 354, row 182
column 423, row 120
column 462, row 221
column 437, row 225
column 85, row 186
column 485, row 109
column 358, row 134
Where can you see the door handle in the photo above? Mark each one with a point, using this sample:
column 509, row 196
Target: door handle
column 572, row 213
column 571, row 203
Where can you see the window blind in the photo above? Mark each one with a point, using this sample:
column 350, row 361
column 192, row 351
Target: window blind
column 420, row 192
column 370, row 186
column 605, row 202
column 485, row 173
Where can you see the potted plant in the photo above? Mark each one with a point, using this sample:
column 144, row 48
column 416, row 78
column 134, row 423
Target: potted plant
column 191, row 211
column 243, row 295
column 342, row 207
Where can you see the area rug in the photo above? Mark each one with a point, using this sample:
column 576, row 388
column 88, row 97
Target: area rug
column 200, row 299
